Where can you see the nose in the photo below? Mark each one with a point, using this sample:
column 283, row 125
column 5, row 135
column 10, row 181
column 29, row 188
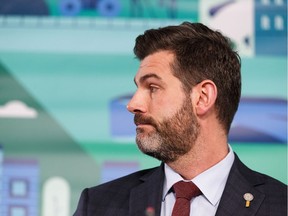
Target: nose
column 136, row 104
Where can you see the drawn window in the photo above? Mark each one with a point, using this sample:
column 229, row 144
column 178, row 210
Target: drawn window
column 265, row 22
column 279, row 2
column 19, row 188
column 17, row 211
column 279, row 23
column 265, row 2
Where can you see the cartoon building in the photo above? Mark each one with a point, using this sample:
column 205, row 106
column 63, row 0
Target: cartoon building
column 257, row 27
column 270, row 27
column 19, row 187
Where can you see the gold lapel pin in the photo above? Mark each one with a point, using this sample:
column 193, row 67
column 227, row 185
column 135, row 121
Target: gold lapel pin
column 248, row 197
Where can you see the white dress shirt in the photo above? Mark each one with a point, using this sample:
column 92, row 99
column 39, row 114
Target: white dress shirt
column 211, row 182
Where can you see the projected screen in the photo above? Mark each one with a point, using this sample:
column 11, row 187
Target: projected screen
column 66, row 75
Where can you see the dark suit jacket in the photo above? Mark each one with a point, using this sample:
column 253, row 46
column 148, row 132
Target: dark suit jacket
column 133, row 194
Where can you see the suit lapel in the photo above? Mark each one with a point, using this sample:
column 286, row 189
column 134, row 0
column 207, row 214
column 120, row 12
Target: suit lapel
column 241, row 180
column 147, row 194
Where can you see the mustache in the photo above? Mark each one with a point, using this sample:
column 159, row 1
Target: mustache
column 140, row 119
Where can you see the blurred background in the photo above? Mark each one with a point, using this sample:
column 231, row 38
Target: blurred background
column 66, row 75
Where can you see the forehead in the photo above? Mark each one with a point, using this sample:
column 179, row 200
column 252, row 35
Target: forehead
column 158, row 64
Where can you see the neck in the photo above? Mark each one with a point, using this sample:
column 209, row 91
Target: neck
column 204, row 154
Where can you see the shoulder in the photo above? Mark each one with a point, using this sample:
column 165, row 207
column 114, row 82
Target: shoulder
column 264, row 183
column 121, row 185
column 113, row 198
column 269, row 194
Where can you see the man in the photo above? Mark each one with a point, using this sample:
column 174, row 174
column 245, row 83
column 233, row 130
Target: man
column 188, row 90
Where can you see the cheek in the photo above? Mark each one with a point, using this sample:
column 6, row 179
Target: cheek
column 164, row 108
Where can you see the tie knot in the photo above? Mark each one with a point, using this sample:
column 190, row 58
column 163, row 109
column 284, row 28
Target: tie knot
column 186, row 190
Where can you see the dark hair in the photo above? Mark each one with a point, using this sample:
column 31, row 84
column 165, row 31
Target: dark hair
column 200, row 53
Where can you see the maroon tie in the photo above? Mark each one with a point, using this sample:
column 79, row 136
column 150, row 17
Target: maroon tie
column 184, row 193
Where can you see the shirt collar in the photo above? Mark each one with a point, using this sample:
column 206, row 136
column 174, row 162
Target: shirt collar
column 211, row 182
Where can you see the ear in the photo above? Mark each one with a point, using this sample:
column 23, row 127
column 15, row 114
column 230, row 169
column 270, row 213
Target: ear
column 204, row 96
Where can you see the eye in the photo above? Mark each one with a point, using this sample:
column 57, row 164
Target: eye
column 153, row 88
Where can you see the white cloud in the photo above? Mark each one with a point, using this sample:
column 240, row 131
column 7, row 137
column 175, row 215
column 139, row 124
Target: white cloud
column 17, row 109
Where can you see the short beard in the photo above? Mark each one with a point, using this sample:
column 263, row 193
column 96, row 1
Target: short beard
column 173, row 137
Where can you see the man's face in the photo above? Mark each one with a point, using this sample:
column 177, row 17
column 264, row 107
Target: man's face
column 166, row 125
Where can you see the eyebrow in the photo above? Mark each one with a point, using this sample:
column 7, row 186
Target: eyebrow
column 147, row 76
